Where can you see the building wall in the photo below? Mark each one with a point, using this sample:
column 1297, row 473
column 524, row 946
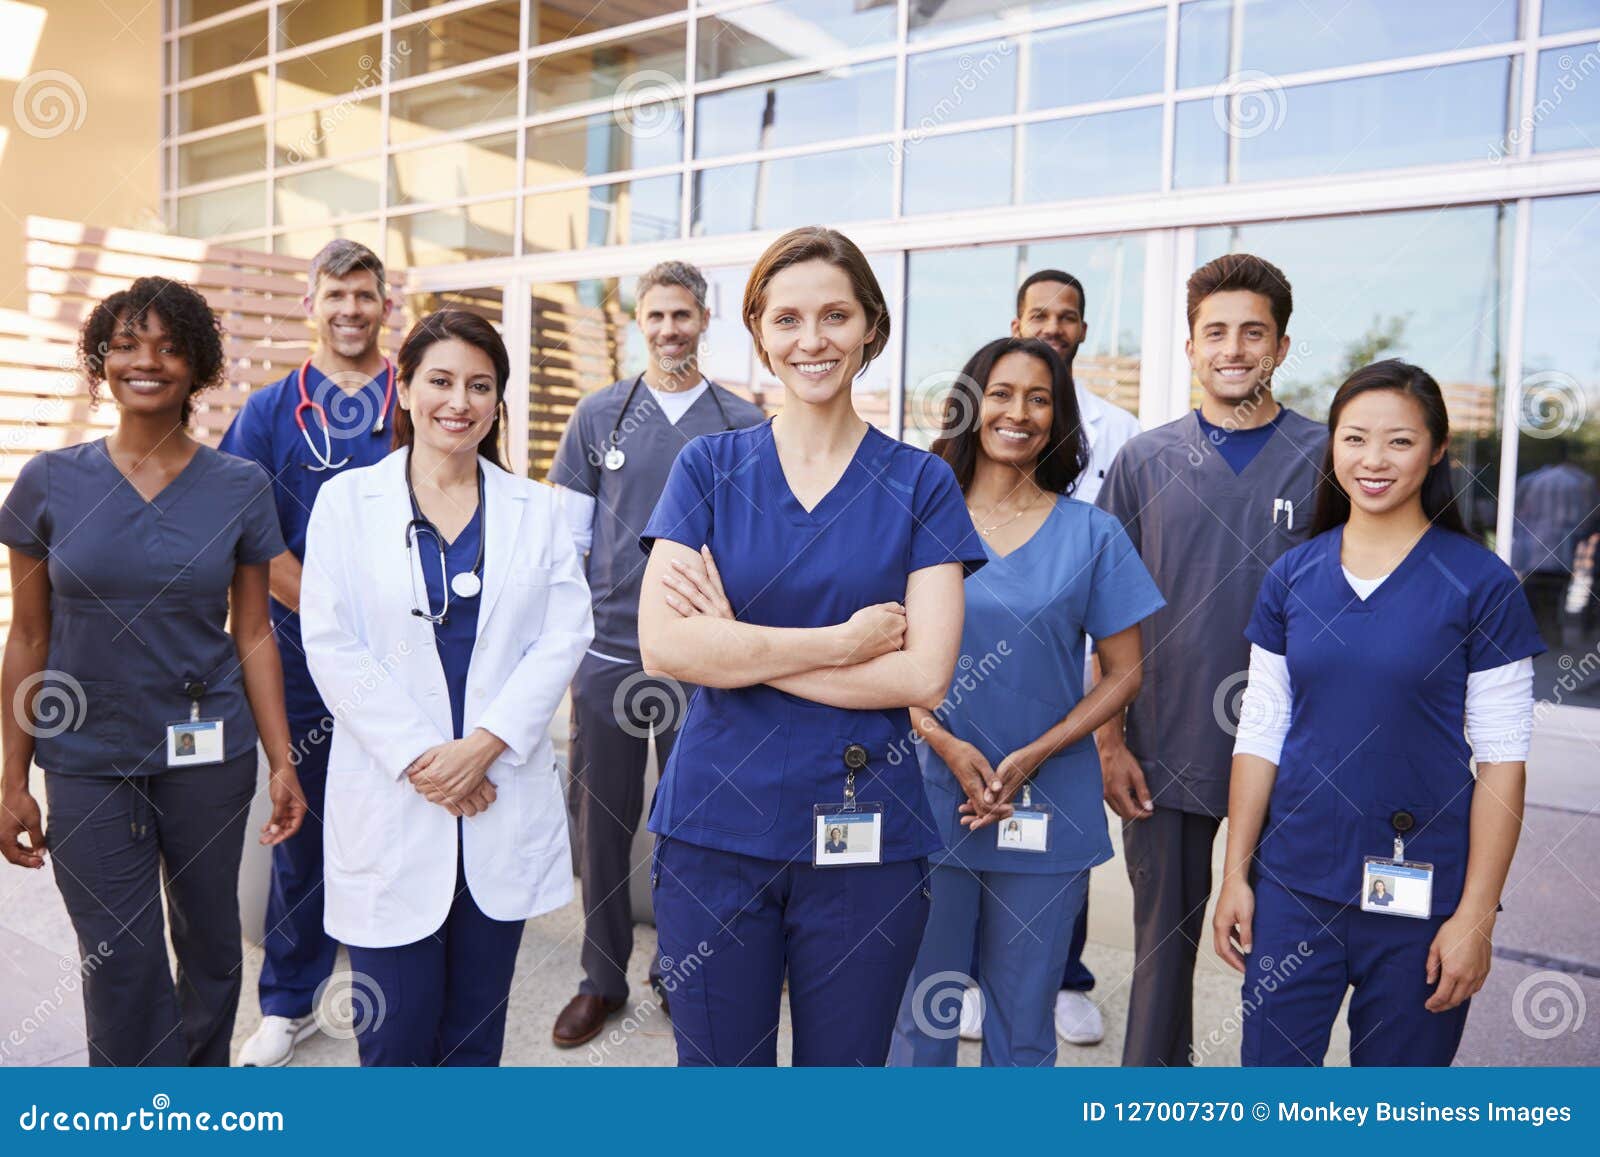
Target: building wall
column 80, row 120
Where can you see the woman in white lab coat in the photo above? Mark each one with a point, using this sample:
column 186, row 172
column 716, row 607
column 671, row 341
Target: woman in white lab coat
column 444, row 612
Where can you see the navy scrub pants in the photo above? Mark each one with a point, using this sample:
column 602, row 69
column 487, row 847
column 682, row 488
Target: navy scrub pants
column 733, row 926
column 1307, row 951
column 439, row 1001
column 298, row 954
column 1022, row 925
column 117, row 845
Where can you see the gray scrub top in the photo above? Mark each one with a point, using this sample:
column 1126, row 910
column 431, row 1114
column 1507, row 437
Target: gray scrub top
column 627, row 497
column 1207, row 536
column 138, row 601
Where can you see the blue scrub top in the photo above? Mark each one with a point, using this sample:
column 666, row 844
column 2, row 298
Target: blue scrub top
column 264, row 431
column 1021, row 673
column 138, row 601
column 1379, row 691
column 458, row 634
column 750, row 763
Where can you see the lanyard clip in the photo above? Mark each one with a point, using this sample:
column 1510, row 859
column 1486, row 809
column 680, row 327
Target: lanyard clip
column 1402, row 821
column 855, row 758
column 194, row 689
column 1027, row 794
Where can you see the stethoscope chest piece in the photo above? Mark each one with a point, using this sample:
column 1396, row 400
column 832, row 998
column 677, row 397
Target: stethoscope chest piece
column 614, row 458
column 466, row 585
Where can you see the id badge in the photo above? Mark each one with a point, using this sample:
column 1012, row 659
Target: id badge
column 847, row 835
column 1392, row 887
column 1025, row 830
column 194, row 741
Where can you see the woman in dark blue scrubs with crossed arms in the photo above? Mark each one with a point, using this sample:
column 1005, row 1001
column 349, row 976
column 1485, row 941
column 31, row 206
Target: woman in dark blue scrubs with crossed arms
column 135, row 693
column 1362, row 850
column 807, row 575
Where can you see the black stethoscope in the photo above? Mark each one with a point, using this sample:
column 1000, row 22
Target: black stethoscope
column 614, row 458
column 465, row 584
column 324, row 456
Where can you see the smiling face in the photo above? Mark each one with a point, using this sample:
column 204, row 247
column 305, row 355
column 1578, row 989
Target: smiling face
column 672, row 322
column 1377, row 888
column 813, row 330
column 1052, row 312
column 1382, row 451
column 348, row 312
column 452, row 397
column 1235, row 346
column 143, row 369
column 1017, row 409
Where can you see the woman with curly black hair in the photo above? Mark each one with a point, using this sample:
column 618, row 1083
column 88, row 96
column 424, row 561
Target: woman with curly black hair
column 134, row 692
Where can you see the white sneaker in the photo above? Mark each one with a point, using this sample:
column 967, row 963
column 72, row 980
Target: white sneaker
column 972, row 1014
column 272, row 1044
column 1078, row 1020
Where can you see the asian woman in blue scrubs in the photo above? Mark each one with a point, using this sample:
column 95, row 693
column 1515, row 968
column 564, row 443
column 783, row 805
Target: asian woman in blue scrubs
column 1015, row 735
column 806, row 573
column 1370, row 644
column 444, row 612
column 139, row 621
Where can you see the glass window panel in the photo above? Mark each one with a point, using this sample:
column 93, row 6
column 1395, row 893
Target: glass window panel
column 216, row 158
column 457, row 39
column 1456, row 113
column 957, row 300
column 1093, row 156
column 625, row 213
column 944, row 18
column 308, row 79
column 1280, row 37
column 958, row 171
column 230, row 210
column 418, row 113
column 302, row 23
column 551, row 21
column 1569, row 15
column 790, row 31
column 640, row 68
column 303, row 199
column 1553, row 544
column 453, row 170
column 803, row 110
column 308, row 243
column 446, row 236
column 1104, row 60
column 1566, row 111
column 222, row 101
column 214, row 48
column 634, row 138
column 959, row 84
column 849, row 185
column 1425, row 286
column 191, row 10
column 351, row 126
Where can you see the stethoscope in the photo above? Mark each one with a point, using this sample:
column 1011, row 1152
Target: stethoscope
column 614, row 458
column 467, row 583
column 324, row 456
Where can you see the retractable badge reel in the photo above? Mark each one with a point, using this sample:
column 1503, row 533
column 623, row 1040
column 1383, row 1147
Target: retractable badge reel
column 849, row 833
column 194, row 740
column 1027, row 829
column 1396, row 886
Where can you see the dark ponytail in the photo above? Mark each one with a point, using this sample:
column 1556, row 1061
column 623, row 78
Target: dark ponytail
column 458, row 325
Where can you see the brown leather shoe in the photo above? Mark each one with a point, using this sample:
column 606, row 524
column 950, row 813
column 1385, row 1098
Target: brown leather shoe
column 583, row 1018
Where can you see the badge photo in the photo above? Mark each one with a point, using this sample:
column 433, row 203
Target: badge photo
column 849, row 836
column 1392, row 888
column 1025, row 830
column 194, row 741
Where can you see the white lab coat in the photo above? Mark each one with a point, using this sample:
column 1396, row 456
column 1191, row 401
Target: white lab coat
column 390, row 855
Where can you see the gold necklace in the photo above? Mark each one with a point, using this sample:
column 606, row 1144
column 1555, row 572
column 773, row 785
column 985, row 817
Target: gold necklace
column 986, row 531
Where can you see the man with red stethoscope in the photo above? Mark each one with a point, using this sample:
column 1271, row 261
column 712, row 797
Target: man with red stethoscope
column 331, row 414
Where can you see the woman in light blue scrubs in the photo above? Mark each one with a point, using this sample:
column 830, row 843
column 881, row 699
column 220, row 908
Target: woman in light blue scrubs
column 806, row 573
column 1008, row 759
column 142, row 668
column 1370, row 644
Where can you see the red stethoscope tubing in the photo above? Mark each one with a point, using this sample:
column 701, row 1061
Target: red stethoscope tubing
column 325, row 458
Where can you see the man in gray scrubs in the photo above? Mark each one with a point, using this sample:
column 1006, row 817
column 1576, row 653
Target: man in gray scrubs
column 1210, row 502
column 611, row 466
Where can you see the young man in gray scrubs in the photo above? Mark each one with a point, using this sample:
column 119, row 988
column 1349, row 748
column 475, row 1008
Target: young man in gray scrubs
column 611, row 465
column 1210, row 501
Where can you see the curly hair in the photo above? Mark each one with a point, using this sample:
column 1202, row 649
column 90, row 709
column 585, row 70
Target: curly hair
column 194, row 330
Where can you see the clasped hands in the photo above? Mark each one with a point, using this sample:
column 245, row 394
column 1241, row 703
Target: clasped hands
column 989, row 790
column 455, row 775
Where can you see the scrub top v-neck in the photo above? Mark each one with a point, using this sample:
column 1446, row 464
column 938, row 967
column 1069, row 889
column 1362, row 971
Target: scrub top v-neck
column 458, row 634
column 1021, row 673
column 750, row 763
column 1378, row 689
column 138, row 600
